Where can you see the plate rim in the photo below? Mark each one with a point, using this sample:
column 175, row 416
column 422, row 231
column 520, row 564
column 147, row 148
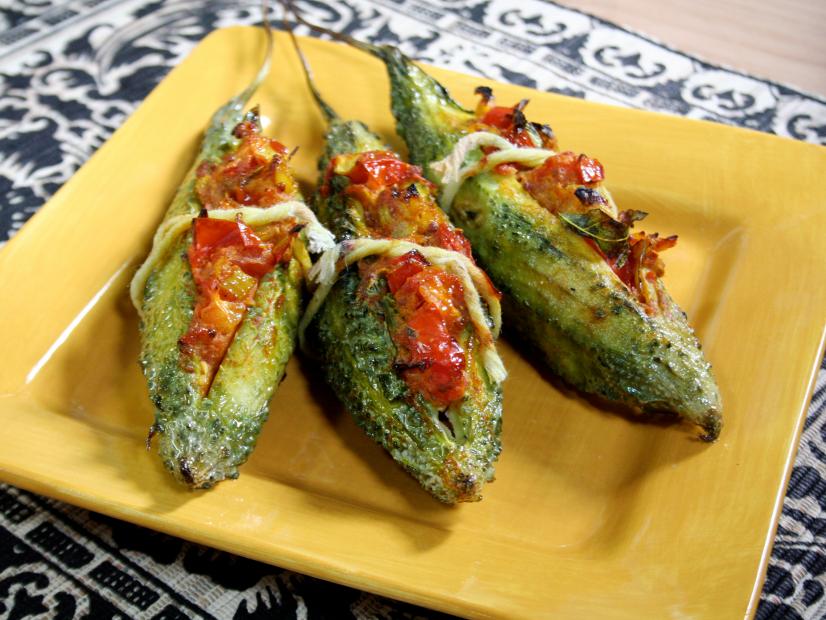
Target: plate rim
column 18, row 477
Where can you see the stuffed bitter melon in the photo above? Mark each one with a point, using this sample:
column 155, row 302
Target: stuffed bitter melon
column 219, row 297
column 397, row 324
column 577, row 283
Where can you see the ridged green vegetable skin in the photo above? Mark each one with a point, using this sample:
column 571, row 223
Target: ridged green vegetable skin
column 203, row 439
column 558, row 293
column 451, row 455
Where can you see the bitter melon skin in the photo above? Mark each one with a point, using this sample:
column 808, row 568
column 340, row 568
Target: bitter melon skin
column 352, row 342
column 342, row 137
column 204, row 439
column 558, row 293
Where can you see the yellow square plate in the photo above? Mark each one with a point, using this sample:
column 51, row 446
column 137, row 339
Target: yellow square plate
column 592, row 514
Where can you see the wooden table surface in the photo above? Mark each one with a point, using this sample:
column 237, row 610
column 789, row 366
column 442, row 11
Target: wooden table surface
column 783, row 40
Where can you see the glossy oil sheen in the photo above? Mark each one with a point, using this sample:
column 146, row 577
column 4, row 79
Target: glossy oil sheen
column 592, row 514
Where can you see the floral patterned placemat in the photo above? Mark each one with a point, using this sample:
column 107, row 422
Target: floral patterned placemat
column 71, row 71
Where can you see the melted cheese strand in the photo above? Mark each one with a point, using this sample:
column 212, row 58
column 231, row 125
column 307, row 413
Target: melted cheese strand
column 317, row 238
column 452, row 173
column 328, row 268
column 449, row 167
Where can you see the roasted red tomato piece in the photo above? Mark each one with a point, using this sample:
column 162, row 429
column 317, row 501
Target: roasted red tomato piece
column 255, row 174
column 228, row 261
column 430, row 302
column 403, row 268
column 641, row 262
column 396, row 200
column 450, row 238
column 379, row 169
column 510, row 123
column 568, row 168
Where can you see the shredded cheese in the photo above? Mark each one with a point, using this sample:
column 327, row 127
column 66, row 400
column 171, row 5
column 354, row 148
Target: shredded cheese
column 317, row 238
column 453, row 171
column 328, row 268
column 449, row 168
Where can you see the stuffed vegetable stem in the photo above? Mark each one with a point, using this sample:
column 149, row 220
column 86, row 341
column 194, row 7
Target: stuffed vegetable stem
column 403, row 322
column 219, row 296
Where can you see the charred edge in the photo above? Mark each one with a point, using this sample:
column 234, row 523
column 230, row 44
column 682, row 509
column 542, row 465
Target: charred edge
column 589, row 196
column 486, row 92
column 465, row 486
column 629, row 216
column 186, row 471
column 153, row 430
column 712, row 423
column 545, row 130
column 239, row 130
column 520, row 121
column 402, row 366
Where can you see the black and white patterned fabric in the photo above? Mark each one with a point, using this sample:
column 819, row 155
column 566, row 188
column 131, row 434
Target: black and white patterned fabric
column 71, row 71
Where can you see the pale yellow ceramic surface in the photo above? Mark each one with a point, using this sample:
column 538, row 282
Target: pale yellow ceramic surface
column 591, row 515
